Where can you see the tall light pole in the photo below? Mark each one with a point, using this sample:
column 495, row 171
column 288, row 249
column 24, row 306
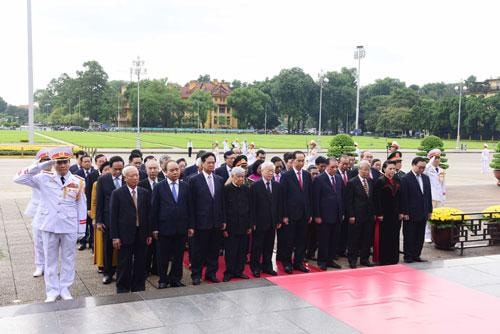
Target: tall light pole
column 31, row 115
column 322, row 80
column 138, row 68
column 358, row 54
column 460, row 88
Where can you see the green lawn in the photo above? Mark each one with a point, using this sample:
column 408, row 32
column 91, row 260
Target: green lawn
column 169, row 140
column 15, row 137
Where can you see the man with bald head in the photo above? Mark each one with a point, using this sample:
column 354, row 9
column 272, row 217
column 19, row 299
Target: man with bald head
column 361, row 216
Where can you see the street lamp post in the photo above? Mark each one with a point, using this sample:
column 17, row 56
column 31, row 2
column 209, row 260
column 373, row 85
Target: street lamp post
column 138, row 68
column 31, row 114
column 460, row 88
column 358, row 54
column 322, row 80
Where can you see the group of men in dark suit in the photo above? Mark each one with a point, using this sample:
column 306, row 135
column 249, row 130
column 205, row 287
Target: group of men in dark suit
column 150, row 218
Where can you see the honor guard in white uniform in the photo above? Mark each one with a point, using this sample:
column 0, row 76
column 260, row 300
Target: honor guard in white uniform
column 32, row 211
column 438, row 189
column 62, row 216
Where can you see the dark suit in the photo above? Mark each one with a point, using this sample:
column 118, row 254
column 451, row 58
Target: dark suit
column 74, row 168
column 206, row 218
column 360, row 206
column 328, row 205
column 190, row 171
column 222, row 172
column 89, row 232
column 267, row 213
column 124, row 219
column 417, row 206
column 161, row 176
column 170, row 219
column 342, row 243
column 105, row 187
column 151, row 263
column 238, row 220
column 374, row 173
column 297, row 208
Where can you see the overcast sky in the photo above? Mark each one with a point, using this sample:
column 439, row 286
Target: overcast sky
column 416, row 41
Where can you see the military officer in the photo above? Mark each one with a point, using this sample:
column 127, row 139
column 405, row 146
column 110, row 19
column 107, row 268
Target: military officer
column 32, row 211
column 62, row 218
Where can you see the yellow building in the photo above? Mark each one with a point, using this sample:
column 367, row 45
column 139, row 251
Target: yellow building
column 486, row 88
column 221, row 117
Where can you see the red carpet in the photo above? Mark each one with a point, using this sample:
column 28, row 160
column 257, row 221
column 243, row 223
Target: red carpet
column 247, row 271
column 396, row 299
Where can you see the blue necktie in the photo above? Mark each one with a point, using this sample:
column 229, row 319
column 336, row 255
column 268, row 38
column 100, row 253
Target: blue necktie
column 174, row 192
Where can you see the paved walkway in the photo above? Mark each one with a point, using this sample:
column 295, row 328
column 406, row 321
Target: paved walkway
column 471, row 193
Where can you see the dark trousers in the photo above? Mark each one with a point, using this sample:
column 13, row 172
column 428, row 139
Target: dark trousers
column 190, row 151
column 235, row 253
column 360, row 240
column 130, row 272
column 170, row 248
column 312, row 241
column 328, row 238
column 151, row 259
column 109, row 269
column 205, row 251
column 389, row 241
column 413, row 238
column 342, row 245
column 262, row 247
column 89, row 234
column 279, row 248
column 294, row 241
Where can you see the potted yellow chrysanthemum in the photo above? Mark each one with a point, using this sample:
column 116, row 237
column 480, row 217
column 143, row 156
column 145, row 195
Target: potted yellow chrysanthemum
column 444, row 227
column 493, row 212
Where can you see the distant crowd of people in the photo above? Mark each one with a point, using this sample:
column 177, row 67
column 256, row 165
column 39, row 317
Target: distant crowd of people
column 155, row 215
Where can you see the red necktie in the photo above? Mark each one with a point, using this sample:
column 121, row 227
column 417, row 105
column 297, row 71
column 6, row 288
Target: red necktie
column 299, row 174
column 334, row 184
column 344, row 177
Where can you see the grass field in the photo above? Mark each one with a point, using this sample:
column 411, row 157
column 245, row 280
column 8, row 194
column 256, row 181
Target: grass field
column 172, row 140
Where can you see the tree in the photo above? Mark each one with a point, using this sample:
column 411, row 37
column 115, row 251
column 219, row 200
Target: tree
column 249, row 106
column 200, row 102
column 295, row 93
column 204, row 78
column 3, row 105
column 341, row 144
column 91, row 89
column 395, row 119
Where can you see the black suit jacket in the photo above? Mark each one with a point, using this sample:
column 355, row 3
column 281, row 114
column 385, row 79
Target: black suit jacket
column 267, row 210
column 89, row 184
column 146, row 185
column 206, row 212
column 358, row 204
column 124, row 215
column 222, row 172
column 74, row 168
column 161, row 175
column 189, row 171
column 415, row 204
column 328, row 204
column 375, row 173
column 105, row 187
column 296, row 201
column 167, row 216
column 237, row 208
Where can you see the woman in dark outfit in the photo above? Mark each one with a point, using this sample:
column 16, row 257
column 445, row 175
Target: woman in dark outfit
column 238, row 224
column 387, row 197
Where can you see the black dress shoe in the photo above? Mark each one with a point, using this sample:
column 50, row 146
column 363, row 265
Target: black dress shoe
column 407, row 260
column 301, row 267
column 162, row 285
column 323, row 267
column 227, row 277
column 333, row 264
column 288, row 269
column 106, row 280
column 212, row 279
column 352, row 264
column 243, row 276
column 256, row 273
column 366, row 263
column 419, row 259
column 196, row 281
column 176, row 284
column 82, row 247
column 270, row 272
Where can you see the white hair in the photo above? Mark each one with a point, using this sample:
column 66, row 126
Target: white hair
column 267, row 165
column 128, row 169
column 151, row 162
column 363, row 163
column 236, row 171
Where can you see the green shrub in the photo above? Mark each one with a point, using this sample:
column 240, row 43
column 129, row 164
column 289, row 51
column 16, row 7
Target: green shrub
column 495, row 162
column 341, row 144
column 430, row 143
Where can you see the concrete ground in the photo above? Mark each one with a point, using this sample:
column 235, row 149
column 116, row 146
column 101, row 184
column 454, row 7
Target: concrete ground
column 468, row 190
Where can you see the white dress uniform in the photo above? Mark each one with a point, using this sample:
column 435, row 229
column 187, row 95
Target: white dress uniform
column 485, row 160
column 62, row 215
column 32, row 211
column 438, row 191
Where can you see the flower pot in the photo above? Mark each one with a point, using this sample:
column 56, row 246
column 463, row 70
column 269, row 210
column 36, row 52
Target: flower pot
column 445, row 238
column 496, row 172
column 494, row 230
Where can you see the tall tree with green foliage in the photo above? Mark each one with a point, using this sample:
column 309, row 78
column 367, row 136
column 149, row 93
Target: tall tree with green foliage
column 200, row 103
column 249, row 106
